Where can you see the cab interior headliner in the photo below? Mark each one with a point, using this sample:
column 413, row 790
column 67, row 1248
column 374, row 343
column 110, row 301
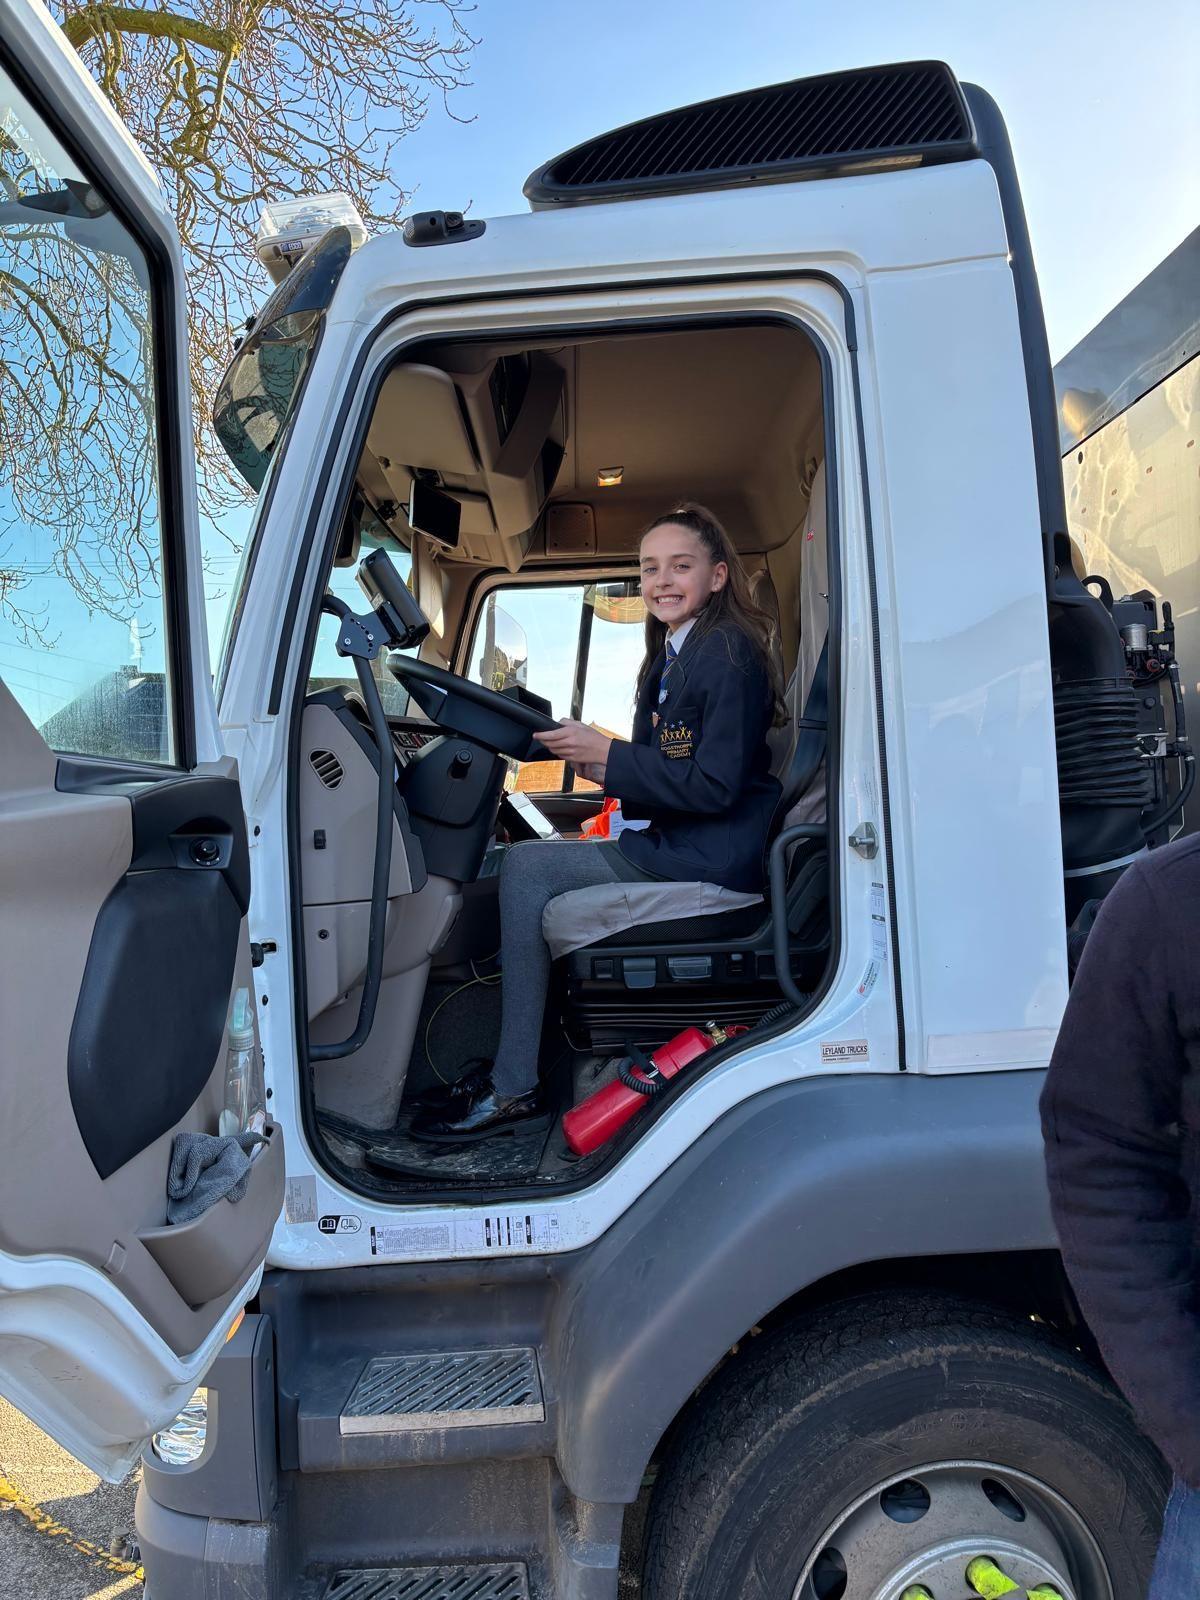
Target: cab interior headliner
column 730, row 416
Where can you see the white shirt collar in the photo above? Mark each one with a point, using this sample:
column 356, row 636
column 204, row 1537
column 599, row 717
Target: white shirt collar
column 680, row 634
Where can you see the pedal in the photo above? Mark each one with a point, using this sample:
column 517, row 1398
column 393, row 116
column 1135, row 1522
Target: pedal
column 508, row 1581
column 445, row 1389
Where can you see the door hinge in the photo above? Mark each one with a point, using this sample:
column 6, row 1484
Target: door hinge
column 865, row 840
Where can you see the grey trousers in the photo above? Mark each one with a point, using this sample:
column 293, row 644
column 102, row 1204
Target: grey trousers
column 532, row 875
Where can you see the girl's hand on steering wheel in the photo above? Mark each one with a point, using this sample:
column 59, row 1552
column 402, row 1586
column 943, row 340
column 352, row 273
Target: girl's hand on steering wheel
column 578, row 743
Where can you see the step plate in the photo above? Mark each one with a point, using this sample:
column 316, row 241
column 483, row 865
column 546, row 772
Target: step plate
column 506, row 1582
column 445, row 1389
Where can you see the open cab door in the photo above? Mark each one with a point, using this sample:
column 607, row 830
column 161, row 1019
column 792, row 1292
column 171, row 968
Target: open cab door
column 124, row 866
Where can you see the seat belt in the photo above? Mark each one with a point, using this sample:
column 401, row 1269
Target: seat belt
column 812, row 735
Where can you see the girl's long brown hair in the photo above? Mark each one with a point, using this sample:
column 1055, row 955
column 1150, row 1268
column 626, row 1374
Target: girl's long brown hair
column 730, row 605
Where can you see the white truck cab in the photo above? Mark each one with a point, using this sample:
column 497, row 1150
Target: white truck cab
column 806, row 1304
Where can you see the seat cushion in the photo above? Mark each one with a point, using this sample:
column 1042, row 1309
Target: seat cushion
column 741, row 923
column 583, row 917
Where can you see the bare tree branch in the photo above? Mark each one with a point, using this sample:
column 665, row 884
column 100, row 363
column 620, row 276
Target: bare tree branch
column 233, row 102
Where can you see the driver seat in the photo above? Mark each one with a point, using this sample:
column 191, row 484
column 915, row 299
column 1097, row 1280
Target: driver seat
column 635, row 982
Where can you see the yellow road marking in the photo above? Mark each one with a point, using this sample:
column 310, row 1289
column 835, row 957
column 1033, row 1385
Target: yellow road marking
column 45, row 1523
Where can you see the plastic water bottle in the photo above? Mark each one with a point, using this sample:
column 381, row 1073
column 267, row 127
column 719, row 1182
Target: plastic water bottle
column 245, row 1092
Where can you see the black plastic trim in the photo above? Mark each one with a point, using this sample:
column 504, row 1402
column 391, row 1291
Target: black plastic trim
column 262, row 511
column 167, row 383
column 760, row 135
column 996, row 149
column 161, row 963
column 426, row 228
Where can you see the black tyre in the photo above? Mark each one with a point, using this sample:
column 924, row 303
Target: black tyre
column 887, row 1442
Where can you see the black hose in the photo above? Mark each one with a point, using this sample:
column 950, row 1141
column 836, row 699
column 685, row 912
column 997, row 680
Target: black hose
column 381, row 875
column 1183, row 748
column 649, row 1086
column 1169, row 807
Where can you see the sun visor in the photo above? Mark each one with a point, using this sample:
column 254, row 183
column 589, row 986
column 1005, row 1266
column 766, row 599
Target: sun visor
column 419, row 416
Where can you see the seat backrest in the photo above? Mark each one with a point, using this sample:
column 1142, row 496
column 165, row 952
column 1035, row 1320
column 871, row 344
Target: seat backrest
column 781, row 739
column 804, row 785
column 814, row 586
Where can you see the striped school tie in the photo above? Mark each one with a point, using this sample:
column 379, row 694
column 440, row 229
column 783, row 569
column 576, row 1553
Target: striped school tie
column 663, row 685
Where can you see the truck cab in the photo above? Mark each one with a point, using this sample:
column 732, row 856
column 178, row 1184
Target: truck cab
column 802, row 1316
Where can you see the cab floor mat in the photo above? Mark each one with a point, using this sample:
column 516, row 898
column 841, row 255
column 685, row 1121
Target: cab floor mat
column 502, row 1158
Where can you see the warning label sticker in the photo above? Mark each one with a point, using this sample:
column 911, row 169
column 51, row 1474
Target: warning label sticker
column 300, row 1199
column 497, row 1232
column 878, row 924
column 839, row 1051
column 411, row 1239
column 503, row 1232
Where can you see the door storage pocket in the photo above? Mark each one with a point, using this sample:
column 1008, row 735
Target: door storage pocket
column 206, row 1258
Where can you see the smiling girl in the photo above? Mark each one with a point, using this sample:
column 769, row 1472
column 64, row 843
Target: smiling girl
column 696, row 769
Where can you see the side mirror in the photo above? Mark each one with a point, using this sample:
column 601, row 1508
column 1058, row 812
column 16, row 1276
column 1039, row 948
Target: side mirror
column 504, row 656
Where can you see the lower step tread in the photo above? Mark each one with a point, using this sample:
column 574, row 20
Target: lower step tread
column 445, row 1389
column 503, row 1581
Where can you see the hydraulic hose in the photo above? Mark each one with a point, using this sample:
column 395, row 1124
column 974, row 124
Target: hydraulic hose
column 1183, row 749
column 1166, row 812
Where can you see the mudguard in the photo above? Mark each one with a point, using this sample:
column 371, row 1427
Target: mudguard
column 792, row 1186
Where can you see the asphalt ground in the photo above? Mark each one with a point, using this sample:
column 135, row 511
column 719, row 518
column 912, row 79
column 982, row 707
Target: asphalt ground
column 57, row 1521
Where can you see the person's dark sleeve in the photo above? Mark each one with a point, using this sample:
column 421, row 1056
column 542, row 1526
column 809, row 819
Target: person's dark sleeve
column 643, row 728
column 1110, row 1116
column 710, row 780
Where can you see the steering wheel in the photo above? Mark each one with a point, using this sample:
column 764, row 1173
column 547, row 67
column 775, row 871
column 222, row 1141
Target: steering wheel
column 485, row 715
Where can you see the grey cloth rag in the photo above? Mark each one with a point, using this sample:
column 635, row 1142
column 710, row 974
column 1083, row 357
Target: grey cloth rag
column 205, row 1168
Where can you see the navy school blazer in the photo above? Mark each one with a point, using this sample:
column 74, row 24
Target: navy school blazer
column 702, row 774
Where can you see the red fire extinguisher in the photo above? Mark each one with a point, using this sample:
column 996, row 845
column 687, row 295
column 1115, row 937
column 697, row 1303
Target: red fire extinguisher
column 594, row 1120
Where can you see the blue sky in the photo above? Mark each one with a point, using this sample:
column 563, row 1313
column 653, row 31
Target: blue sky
column 1100, row 98
column 1099, row 95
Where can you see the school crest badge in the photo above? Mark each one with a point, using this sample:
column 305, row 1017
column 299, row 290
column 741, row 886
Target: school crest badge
column 676, row 740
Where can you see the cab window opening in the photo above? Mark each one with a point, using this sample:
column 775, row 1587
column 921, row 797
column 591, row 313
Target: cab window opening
column 557, row 561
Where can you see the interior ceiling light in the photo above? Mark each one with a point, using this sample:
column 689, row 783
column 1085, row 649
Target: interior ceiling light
column 609, row 477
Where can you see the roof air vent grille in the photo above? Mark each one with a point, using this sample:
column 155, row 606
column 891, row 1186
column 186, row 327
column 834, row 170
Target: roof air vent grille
column 327, row 767
column 873, row 116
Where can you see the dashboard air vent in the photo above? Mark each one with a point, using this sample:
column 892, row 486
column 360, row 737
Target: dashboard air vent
column 327, row 767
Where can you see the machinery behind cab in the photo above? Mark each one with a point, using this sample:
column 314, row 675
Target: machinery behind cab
column 1110, row 660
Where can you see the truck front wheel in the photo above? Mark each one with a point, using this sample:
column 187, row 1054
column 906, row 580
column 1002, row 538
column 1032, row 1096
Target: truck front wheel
column 886, row 1446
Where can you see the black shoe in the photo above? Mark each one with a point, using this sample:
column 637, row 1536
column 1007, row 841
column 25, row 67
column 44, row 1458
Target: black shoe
column 440, row 1096
column 476, row 1115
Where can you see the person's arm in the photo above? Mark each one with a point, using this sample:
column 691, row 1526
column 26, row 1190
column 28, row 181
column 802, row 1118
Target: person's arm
column 1111, row 1119
column 707, row 782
